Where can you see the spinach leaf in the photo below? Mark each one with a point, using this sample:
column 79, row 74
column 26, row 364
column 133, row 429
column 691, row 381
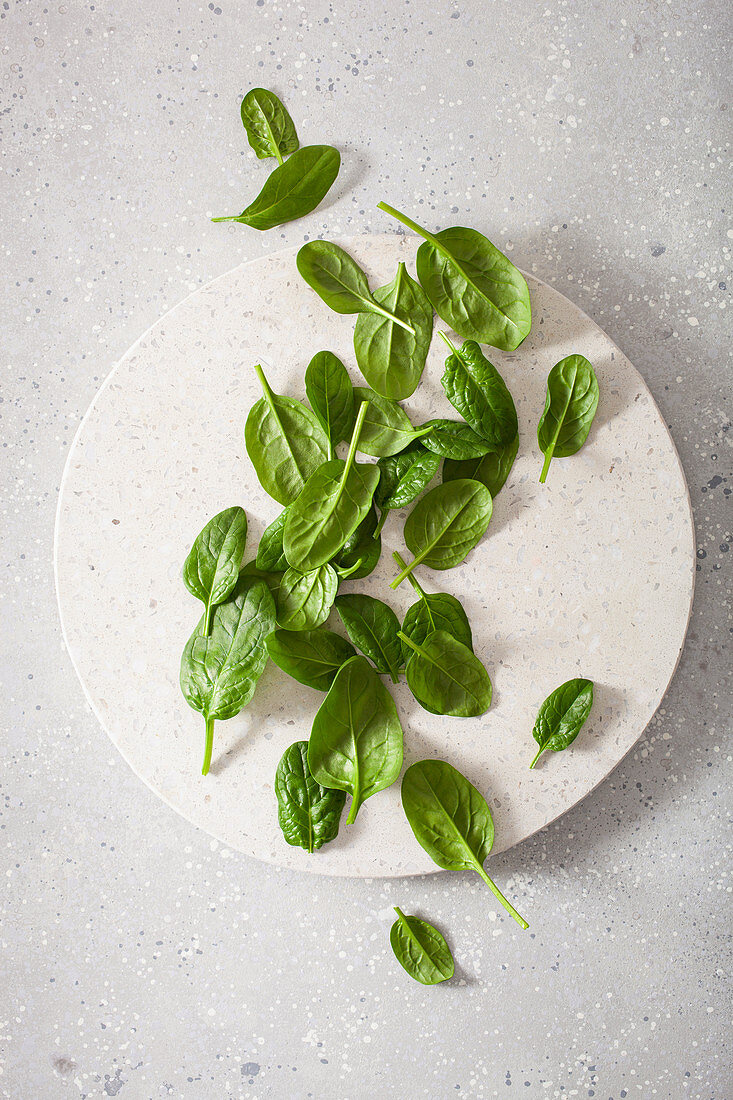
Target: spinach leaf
column 312, row 657
column 570, row 405
column 361, row 551
column 270, row 554
column 340, row 282
column 561, row 716
column 356, row 740
column 403, row 478
column 421, row 949
column 331, row 395
column 308, row 814
column 272, row 579
column 304, row 600
column 451, row 439
column 284, row 441
column 477, row 391
column 387, row 429
column 472, row 285
column 492, row 470
column 270, row 129
column 293, row 189
column 334, row 502
column 451, row 820
column 219, row 671
column 211, row 569
column 433, row 611
column 373, row 628
column 390, row 357
column 446, row 524
column 446, row 677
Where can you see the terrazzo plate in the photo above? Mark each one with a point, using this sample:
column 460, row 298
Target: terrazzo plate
column 590, row 574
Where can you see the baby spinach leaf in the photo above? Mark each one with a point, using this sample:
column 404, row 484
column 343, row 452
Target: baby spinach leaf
column 330, row 508
column 284, row 441
column 421, row 950
column 270, row 129
column 308, row 814
column 273, row 580
column 403, row 478
column 356, row 740
column 331, row 395
column 477, row 391
column 387, row 429
column 312, row 657
column 471, row 284
column 219, row 671
column 451, row 820
column 361, row 551
column 492, row 470
column 446, row 524
column 270, row 554
column 293, row 189
column 433, row 611
column 373, row 628
column 446, row 677
column 561, row 716
column 340, row 282
column 304, row 600
column 211, row 569
column 390, row 357
column 570, row 405
column 452, row 439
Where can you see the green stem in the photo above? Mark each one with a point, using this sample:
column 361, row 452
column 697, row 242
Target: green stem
column 449, row 342
column 208, row 746
column 398, row 911
column 228, row 218
column 546, row 464
column 403, row 218
column 407, row 570
column 354, row 443
column 539, row 754
column 500, row 897
column 417, row 588
column 343, row 574
column 207, row 620
column 354, row 809
column 375, row 307
column 380, row 525
column 411, row 644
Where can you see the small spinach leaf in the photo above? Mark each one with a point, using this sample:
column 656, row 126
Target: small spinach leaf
column 561, row 716
column 337, row 278
column 270, row 554
column 446, row 677
column 293, row 189
column 403, row 478
column 331, row 395
column 390, row 357
column 452, row 439
column 433, row 611
column 284, row 441
column 360, row 553
column 312, row 657
column 451, row 820
column 270, row 129
column 570, row 405
column 421, row 950
column 446, row 524
column 477, row 391
column 304, row 600
column 373, row 628
column 387, row 428
column 492, row 470
column 211, row 569
column 308, row 814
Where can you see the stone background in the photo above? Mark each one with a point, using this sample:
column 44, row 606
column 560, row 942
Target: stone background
column 141, row 958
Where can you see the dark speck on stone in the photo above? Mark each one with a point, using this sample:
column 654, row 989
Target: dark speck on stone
column 250, row 1069
column 658, row 250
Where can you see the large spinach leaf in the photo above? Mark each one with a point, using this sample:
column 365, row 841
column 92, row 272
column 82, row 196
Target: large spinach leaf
column 308, row 814
column 570, row 405
column 561, row 716
column 446, row 677
column 293, row 189
column 451, row 820
column 492, row 470
column 219, row 671
column 387, row 428
column 446, row 524
column 373, row 628
column 270, row 129
column 211, row 569
column 331, row 395
column 477, row 391
column 284, row 441
column 312, row 657
column 356, row 740
column 472, row 285
column 390, row 357
column 421, row 949
column 404, row 476
column 304, row 600
column 433, row 611
column 337, row 278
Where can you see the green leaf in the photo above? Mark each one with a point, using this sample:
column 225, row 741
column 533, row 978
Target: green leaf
column 446, row 677
column 390, row 357
column 452, row 439
column 331, row 396
column 293, row 189
column 570, row 405
column 219, row 671
column 433, row 611
column 211, row 569
column 360, row 553
column 308, row 814
column 446, row 524
column 284, row 441
column 562, row 715
column 312, row 657
column 421, row 950
column 356, row 740
column 492, row 470
column 387, row 428
column 340, row 282
column 471, row 284
column 304, row 600
column 270, row 554
column 373, row 628
column 451, row 820
column 477, row 391
column 270, row 129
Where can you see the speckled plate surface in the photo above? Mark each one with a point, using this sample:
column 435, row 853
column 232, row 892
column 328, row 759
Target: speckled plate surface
column 591, row 574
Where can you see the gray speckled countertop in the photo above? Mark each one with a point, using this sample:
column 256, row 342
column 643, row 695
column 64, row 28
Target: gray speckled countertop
column 141, row 958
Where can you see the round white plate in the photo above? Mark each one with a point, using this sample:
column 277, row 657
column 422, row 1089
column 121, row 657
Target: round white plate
column 589, row 575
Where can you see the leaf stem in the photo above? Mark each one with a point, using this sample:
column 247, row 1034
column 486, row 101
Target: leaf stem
column 376, row 308
column 207, row 619
column 354, row 808
column 209, row 745
column 546, row 464
column 380, row 525
column 354, row 442
column 539, row 754
column 403, row 218
column 406, row 572
column 449, row 342
column 228, row 218
column 500, row 897
column 417, row 587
